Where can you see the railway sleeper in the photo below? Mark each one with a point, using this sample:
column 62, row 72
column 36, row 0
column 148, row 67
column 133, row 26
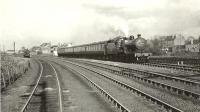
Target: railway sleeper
column 167, row 87
column 157, row 84
column 110, row 98
column 149, row 74
column 168, row 107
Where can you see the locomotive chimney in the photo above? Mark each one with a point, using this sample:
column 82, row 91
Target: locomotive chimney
column 139, row 35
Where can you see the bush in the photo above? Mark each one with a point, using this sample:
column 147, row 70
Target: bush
column 12, row 68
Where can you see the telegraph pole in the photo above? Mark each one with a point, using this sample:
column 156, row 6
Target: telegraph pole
column 14, row 47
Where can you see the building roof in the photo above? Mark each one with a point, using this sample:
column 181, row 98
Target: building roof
column 46, row 45
column 54, row 46
column 170, row 38
column 10, row 51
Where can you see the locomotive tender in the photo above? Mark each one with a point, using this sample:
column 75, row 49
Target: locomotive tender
column 116, row 49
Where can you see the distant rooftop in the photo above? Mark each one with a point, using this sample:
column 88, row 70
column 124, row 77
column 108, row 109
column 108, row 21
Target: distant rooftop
column 45, row 45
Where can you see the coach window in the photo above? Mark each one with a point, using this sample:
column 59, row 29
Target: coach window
column 90, row 47
column 99, row 46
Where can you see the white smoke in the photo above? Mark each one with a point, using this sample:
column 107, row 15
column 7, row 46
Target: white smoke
column 120, row 26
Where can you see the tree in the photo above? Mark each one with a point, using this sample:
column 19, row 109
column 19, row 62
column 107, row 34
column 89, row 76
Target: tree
column 156, row 46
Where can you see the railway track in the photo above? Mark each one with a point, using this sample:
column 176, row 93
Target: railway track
column 164, row 86
column 44, row 95
column 104, row 93
column 194, row 68
column 133, row 90
column 125, row 70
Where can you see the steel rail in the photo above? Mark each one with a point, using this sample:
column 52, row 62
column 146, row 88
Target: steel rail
column 132, row 89
column 173, row 66
column 150, row 73
column 124, row 69
column 25, row 107
column 117, row 104
column 59, row 89
column 156, row 83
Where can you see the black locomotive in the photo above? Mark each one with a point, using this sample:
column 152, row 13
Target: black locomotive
column 26, row 53
column 117, row 49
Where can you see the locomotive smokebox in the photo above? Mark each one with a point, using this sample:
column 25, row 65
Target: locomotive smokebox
column 140, row 43
column 132, row 45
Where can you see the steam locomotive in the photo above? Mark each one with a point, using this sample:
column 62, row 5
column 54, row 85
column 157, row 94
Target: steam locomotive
column 26, row 53
column 116, row 49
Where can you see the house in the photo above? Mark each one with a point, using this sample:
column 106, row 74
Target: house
column 46, row 48
column 54, row 50
column 193, row 45
column 179, row 40
column 173, row 43
column 36, row 50
column 167, row 43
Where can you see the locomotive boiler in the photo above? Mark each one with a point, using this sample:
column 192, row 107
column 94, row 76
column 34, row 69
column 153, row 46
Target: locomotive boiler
column 117, row 49
column 26, row 53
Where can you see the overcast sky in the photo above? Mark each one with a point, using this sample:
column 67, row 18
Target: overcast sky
column 32, row 22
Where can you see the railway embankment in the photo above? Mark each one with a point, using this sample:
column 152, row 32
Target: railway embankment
column 16, row 92
column 12, row 68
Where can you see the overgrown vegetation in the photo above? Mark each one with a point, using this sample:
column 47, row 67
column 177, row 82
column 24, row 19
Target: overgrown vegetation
column 12, row 68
